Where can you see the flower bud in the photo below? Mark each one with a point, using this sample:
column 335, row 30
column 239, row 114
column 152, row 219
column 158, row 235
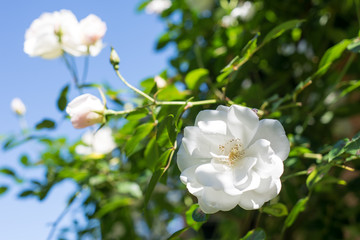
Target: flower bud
column 18, row 106
column 85, row 110
column 160, row 82
column 114, row 59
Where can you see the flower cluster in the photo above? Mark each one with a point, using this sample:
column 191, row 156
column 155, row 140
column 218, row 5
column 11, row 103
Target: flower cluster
column 52, row 34
column 231, row 158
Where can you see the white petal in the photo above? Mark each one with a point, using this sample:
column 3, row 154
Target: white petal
column 242, row 123
column 188, row 178
column 241, row 170
column 251, row 200
column 208, row 176
column 199, row 144
column 252, row 182
column 212, row 121
column 273, row 131
column 184, row 160
column 212, row 200
column 268, row 164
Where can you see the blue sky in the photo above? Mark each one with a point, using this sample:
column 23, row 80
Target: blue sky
column 38, row 82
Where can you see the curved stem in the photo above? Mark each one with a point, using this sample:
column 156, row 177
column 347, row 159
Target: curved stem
column 85, row 69
column 134, row 88
column 72, row 70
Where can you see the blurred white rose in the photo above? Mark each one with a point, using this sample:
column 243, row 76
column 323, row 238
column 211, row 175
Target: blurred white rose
column 51, row 34
column 99, row 142
column 85, row 110
column 17, row 106
column 231, row 158
column 157, row 6
column 228, row 21
column 245, row 11
column 92, row 31
column 200, row 5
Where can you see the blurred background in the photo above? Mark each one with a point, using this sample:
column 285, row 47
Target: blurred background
column 38, row 82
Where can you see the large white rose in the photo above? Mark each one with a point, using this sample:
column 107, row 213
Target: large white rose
column 51, row 34
column 92, row 31
column 85, row 110
column 157, row 6
column 231, row 158
column 99, row 142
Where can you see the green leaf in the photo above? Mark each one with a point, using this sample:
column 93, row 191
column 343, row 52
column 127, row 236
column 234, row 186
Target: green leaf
column 176, row 234
column 46, row 123
column 3, row 189
column 354, row 46
column 331, row 55
column 298, row 208
column 141, row 132
column 353, row 86
column 151, row 186
column 277, row 210
column 199, row 216
column 163, row 41
column 27, row 193
column 337, row 149
column 255, row 234
column 112, row 205
column 151, row 154
column 190, row 221
column 279, row 30
column 353, row 147
column 194, row 78
column 316, row 175
column 62, row 100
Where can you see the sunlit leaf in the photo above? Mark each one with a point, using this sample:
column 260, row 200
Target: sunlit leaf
column 256, row 234
column 299, row 207
column 176, row 234
column 141, row 132
column 3, row 189
column 194, row 78
column 277, row 210
column 279, row 30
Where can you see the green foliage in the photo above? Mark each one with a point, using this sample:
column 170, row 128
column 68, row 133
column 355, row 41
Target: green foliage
column 256, row 234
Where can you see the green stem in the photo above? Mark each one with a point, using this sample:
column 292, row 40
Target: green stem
column 304, row 172
column 134, row 88
column 72, row 71
column 85, row 70
column 203, row 102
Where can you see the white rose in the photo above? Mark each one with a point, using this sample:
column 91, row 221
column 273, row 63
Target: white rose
column 231, row 158
column 92, row 31
column 99, row 142
column 244, row 11
column 85, row 110
column 228, row 21
column 51, row 34
column 200, row 5
column 18, row 106
column 157, row 6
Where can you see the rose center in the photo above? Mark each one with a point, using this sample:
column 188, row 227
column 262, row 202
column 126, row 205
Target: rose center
column 231, row 152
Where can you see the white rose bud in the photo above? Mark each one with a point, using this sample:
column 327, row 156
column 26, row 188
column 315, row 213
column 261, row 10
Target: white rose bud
column 85, row 110
column 231, row 158
column 18, row 106
column 160, row 82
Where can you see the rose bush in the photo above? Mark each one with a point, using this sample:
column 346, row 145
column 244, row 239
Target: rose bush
column 85, row 110
column 231, row 158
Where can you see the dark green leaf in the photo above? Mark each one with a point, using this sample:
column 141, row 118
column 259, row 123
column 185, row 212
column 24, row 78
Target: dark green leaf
column 277, row 210
column 151, row 186
column 190, row 220
column 337, row 149
column 194, row 78
column 353, row 147
column 113, row 204
column 316, row 175
column 256, row 234
column 279, row 30
column 62, row 100
column 354, row 46
column 46, row 123
column 141, row 132
column 331, row 55
column 163, row 41
column 199, row 216
column 3, row 189
column 176, row 234
column 27, row 193
column 298, row 208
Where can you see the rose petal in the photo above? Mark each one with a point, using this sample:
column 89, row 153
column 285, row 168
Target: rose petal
column 273, row 131
column 208, row 176
column 241, row 170
column 242, row 123
column 268, row 164
column 212, row 201
column 185, row 160
column 212, row 121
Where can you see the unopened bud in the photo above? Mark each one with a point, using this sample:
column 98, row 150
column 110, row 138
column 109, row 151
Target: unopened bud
column 114, row 59
column 160, row 82
column 18, row 106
